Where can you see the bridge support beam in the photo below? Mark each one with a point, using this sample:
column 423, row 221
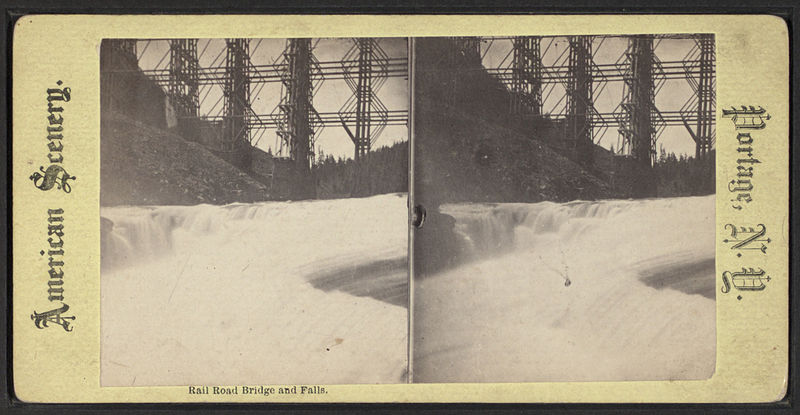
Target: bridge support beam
column 363, row 98
column 364, row 116
column 183, row 77
column 579, row 99
column 705, row 94
column 294, row 126
column 526, row 75
column 638, row 130
column 236, row 133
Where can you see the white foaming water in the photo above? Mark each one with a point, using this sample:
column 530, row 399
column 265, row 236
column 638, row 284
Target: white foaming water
column 221, row 294
column 608, row 290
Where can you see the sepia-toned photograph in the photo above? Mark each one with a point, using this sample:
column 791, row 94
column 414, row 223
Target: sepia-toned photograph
column 569, row 190
column 335, row 208
column 253, row 203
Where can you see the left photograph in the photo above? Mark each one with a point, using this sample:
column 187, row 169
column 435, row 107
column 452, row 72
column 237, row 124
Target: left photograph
column 254, row 211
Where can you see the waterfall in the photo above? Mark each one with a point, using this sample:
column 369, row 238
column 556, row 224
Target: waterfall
column 578, row 291
column 260, row 293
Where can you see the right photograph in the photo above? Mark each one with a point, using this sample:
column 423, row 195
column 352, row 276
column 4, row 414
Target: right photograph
column 568, row 184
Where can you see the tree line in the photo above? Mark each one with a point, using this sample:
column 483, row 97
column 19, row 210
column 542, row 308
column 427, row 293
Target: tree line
column 685, row 176
column 384, row 170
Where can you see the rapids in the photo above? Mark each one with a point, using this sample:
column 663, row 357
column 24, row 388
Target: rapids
column 255, row 293
column 606, row 290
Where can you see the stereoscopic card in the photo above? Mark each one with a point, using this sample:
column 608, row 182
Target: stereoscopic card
column 342, row 208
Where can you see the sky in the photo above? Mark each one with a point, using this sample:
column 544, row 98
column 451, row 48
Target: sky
column 672, row 96
column 330, row 95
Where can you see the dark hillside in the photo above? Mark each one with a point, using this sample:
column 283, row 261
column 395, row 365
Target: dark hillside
column 143, row 165
column 469, row 147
